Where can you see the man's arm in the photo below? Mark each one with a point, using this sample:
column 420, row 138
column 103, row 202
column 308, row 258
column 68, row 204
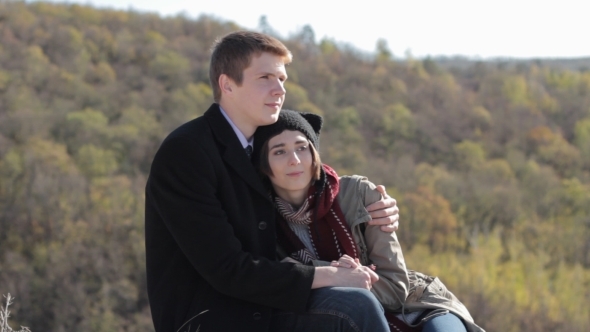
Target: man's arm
column 184, row 192
column 384, row 212
column 183, row 189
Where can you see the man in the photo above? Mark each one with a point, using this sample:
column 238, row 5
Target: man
column 210, row 224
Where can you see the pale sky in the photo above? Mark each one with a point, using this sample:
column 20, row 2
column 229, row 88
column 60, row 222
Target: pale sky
column 472, row 28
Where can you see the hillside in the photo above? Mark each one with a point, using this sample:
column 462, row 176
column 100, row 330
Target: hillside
column 489, row 162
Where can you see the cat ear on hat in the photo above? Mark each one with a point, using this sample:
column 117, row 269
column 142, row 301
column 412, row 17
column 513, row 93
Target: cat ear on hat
column 314, row 120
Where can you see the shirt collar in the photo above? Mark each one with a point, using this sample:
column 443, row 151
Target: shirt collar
column 240, row 135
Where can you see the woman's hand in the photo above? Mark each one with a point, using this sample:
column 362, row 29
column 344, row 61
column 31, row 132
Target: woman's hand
column 350, row 263
column 347, row 262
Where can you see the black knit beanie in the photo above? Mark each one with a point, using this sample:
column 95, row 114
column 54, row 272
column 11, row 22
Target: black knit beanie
column 308, row 123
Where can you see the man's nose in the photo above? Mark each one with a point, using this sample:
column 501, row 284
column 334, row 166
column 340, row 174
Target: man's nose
column 279, row 88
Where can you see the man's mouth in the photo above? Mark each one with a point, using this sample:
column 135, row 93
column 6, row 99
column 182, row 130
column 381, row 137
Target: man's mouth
column 276, row 104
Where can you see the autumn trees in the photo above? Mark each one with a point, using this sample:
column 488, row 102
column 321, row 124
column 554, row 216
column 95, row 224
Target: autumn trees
column 489, row 161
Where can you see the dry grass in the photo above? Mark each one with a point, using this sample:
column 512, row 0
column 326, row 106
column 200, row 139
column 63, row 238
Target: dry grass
column 5, row 313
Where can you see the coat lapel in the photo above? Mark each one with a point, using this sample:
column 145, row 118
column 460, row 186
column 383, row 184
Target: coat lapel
column 234, row 154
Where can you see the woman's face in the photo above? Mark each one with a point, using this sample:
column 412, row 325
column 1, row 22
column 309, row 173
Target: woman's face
column 290, row 160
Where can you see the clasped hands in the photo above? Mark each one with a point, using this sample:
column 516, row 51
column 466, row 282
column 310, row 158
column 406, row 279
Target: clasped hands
column 348, row 262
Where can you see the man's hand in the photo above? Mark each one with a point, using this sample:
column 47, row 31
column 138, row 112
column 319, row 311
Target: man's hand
column 360, row 277
column 384, row 212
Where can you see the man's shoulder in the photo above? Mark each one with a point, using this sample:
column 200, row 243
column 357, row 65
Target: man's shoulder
column 189, row 138
column 196, row 130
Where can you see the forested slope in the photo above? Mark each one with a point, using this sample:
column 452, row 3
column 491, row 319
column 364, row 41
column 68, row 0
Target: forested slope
column 490, row 162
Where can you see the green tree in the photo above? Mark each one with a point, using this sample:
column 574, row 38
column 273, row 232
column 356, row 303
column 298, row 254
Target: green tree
column 582, row 140
column 396, row 123
column 469, row 155
column 431, row 219
column 94, row 161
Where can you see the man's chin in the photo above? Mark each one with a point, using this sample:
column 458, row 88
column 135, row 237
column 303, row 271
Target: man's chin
column 273, row 118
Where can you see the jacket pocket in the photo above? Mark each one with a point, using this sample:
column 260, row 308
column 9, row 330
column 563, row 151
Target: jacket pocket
column 427, row 289
column 437, row 293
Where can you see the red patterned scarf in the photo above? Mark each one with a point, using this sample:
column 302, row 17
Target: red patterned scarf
column 330, row 234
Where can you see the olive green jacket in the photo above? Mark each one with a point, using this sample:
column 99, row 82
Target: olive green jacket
column 397, row 286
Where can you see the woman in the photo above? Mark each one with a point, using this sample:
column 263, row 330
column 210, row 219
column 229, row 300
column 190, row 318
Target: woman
column 322, row 221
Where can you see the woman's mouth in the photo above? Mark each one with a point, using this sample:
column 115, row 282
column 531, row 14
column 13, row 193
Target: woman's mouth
column 294, row 174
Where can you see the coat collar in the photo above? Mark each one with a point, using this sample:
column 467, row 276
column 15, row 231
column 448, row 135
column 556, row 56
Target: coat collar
column 234, row 154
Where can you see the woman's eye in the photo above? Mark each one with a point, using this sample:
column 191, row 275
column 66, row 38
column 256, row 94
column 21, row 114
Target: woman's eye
column 302, row 148
column 278, row 152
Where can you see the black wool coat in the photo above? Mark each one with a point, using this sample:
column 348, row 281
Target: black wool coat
column 210, row 236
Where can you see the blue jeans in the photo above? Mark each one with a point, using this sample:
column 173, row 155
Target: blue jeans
column 340, row 309
column 444, row 323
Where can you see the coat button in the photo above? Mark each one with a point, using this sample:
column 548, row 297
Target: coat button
column 262, row 225
column 257, row 316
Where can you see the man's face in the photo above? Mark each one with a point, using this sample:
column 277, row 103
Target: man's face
column 261, row 95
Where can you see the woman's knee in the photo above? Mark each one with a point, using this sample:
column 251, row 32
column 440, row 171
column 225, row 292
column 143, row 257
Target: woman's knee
column 346, row 298
column 363, row 298
column 444, row 323
column 358, row 307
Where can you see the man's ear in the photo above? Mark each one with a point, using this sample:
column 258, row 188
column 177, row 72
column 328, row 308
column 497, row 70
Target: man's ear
column 225, row 83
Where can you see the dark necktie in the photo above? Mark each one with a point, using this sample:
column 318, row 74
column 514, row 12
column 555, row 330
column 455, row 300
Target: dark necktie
column 249, row 151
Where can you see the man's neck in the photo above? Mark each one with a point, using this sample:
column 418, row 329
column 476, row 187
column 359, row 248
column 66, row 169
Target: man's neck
column 233, row 113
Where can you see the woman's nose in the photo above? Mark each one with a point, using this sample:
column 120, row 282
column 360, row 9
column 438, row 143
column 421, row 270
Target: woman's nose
column 294, row 159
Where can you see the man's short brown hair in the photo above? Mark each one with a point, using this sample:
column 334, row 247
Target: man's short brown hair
column 316, row 163
column 232, row 54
